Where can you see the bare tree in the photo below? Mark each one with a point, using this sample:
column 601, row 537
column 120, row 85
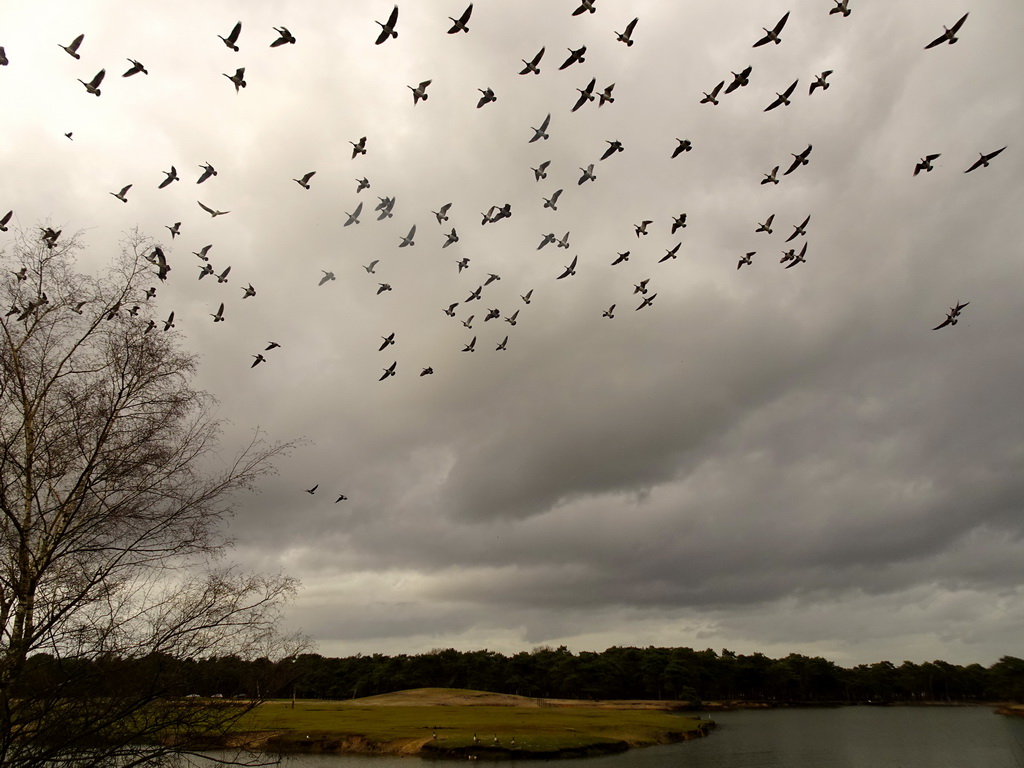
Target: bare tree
column 112, row 504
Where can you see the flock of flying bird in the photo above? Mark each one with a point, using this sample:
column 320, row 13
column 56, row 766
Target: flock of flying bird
column 389, row 30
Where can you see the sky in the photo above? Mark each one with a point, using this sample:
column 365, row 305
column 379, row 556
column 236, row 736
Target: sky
column 764, row 459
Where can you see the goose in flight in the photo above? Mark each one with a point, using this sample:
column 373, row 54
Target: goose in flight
column 119, row 195
column 468, row 322
column 491, row 277
column 684, row 145
column 842, row 6
column 419, row 92
column 670, row 253
column 575, row 57
column 982, row 161
column 487, row 97
column 211, row 211
column 169, row 176
column 471, row 347
column 175, row 230
column 259, row 359
column 238, row 78
column 284, row 37
column 541, row 171
column 475, row 294
column 208, row 171
column 72, row 50
column 7, row 216
column 135, row 68
column 451, row 309
column 388, row 341
column 304, row 181
column 678, row 222
column 492, row 314
column 462, row 263
column 68, row 134
column 585, row 6
column 799, row 229
column 641, row 228
column 369, row 267
column 512, row 319
column 223, row 276
column 548, row 238
column 948, row 35
column 161, row 263
column 766, row 226
column 783, row 98
column 459, row 24
column 626, row 35
column 526, row 296
column 606, row 96
column 218, row 316
column 426, row 371
column 747, row 259
column 739, row 80
column 621, row 257
column 531, row 66
column 588, row 174
column 799, row 160
column 771, row 177
column 501, row 347
column 271, row 345
column 383, row 287
column 232, row 39
column 926, row 163
column 613, row 147
column 342, row 496
column 408, row 239
column 93, row 86
column 390, row 370
column 442, row 215
column 609, row 313
column 542, row 132
column 169, row 322
column 564, row 242
column 772, row 36
column 386, row 208
column 353, row 218
column 327, row 276
column 569, row 270
column 362, row 184
column 550, row 202
column 647, row 301
column 358, row 147
column 388, row 30
column 586, row 94
column 799, row 257
column 953, row 316
column 820, row 82
column 248, row 291
column 204, row 270
column 150, row 292
column 453, row 237
column 312, row 490
column 713, row 96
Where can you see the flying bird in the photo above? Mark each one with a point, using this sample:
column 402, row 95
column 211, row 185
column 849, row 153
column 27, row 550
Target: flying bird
column 526, row 296
column 390, row 370
column 353, row 218
column 442, row 215
column 842, row 6
column 388, row 30
column 259, row 359
column 358, row 148
column 606, row 96
column 952, row 317
column 621, row 257
column 342, row 496
column 218, row 316
column 626, row 35
column 713, row 96
column 471, row 346
column 982, row 161
column 783, row 98
column 647, row 301
column 135, row 68
column 747, row 259
column 271, row 345
column 564, row 242
column 678, row 222
column 208, row 171
column 609, row 313
column 462, row 263
column 684, row 145
column 232, row 39
column 72, row 49
column 248, row 291
column 501, row 347
column 767, row 225
column 491, row 277
column 459, row 24
column 585, row 6
column 588, row 174
column 820, row 82
column 204, row 270
column 169, row 322
column 549, row 202
column 383, row 287
column 531, row 66
column 569, row 270
column 169, row 176
column 739, row 80
column 772, row 36
column 542, row 132
column 548, row 238
column 575, row 57
column 369, row 267
column 613, row 147
column 362, row 184
column 475, row 294
column 453, row 237
column 161, row 263
column 450, row 311
column 771, row 177
column 948, row 35
column 586, row 94
column 419, row 92
column 119, row 195
column 7, row 216
column 304, row 181
column 799, row 229
column 223, row 276
column 926, row 163
column 426, row 371
column 175, row 230
column 212, row 212
column 540, row 172
column 327, row 276
column 670, row 253
column 93, row 86
column 512, row 319
column 312, row 490
column 799, row 160
column 492, row 314
column 408, row 239
column 238, row 78
column 487, row 98
column 468, row 322
column 284, row 37
column 641, row 228
column 798, row 258
column 388, row 341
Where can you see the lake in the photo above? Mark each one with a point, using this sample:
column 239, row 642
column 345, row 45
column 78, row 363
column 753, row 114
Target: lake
column 846, row 737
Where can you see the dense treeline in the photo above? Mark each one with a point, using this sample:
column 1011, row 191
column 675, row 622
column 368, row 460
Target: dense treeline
column 617, row 673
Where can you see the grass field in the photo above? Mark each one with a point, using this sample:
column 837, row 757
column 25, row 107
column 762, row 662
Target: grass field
column 441, row 721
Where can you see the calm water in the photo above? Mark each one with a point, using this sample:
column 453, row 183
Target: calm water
column 849, row 737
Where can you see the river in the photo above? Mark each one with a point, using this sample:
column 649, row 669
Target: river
column 846, row 737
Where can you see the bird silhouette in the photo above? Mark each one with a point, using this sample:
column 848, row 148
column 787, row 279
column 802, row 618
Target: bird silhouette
column 232, row 39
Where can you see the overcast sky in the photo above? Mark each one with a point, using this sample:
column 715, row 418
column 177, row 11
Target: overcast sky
column 763, row 459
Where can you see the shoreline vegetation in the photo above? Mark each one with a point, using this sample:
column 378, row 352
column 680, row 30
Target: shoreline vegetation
column 442, row 723
column 464, row 724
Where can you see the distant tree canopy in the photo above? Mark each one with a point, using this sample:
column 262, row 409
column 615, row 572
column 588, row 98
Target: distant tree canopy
column 677, row 674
